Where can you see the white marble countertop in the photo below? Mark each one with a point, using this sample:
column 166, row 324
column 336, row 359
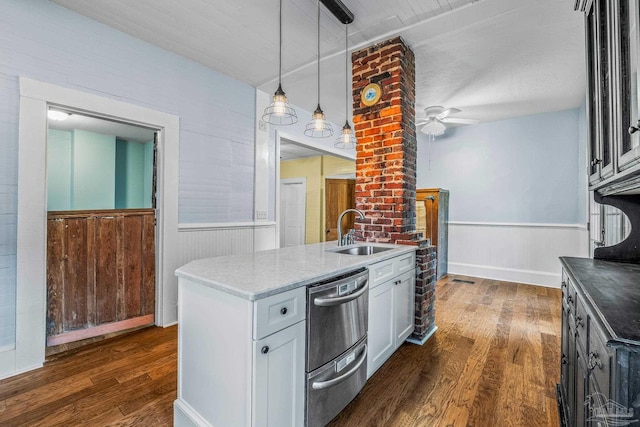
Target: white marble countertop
column 261, row 274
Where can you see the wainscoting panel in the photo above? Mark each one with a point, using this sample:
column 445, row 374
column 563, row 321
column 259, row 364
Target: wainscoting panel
column 208, row 240
column 524, row 253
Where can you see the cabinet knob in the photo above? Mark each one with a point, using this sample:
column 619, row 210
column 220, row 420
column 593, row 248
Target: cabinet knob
column 596, row 162
column 564, row 284
column 265, row 349
column 594, row 361
column 564, row 360
column 570, row 298
column 579, row 322
column 283, row 310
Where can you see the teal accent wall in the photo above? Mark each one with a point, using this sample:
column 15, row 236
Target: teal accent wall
column 133, row 186
column 93, row 172
column 58, row 170
column 148, row 173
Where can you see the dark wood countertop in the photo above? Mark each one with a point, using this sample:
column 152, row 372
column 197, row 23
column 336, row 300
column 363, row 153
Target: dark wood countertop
column 613, row 290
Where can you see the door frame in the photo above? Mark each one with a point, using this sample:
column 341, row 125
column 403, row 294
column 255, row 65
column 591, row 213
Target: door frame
column 299, row 180
column 31, row 288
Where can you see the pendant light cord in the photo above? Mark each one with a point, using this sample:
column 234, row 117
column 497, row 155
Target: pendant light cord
column 346, row 72
column 318, row 52
column 280, row 48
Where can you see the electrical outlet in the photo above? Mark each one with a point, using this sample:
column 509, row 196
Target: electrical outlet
column 262, row 125
column 261, row 214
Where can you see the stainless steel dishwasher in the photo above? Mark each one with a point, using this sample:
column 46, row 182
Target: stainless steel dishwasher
column 336, row 344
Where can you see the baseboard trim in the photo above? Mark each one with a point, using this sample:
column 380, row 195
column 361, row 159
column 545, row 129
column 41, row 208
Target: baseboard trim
column 539, row 278
column 424, row 339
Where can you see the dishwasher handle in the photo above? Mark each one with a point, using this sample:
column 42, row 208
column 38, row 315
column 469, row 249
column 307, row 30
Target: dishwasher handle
column 328, row 302
column 330, row 383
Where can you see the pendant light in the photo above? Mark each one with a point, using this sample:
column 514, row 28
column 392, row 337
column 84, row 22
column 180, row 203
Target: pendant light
column 280, row 112
column 318, row 127
column 347, row 139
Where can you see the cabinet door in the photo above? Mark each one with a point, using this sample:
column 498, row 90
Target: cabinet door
column 381, row 333
column 580, row 386
column 403, row 298
column 628, row 13
column 566, row 359
column 279, row 378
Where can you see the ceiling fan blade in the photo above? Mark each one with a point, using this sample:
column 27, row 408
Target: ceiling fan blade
column 447, row 113
column 424, row 122
column 461, row 121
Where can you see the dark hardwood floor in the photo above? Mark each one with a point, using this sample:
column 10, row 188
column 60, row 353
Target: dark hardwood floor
column 494, row 361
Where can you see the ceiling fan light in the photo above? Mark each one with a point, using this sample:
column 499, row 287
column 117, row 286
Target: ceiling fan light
column 433, row 127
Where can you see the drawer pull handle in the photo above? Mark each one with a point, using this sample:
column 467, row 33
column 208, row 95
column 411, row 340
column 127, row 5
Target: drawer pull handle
column 265, row 349
column 594, row 361
column 579, row 322
column 328, row 302
column 320, row 385
column 570, row 298
column 564, row 360
column 564, row 284
column 397, row 282
column 283, row 310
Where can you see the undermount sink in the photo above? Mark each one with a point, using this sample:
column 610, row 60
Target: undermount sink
column 362, row 250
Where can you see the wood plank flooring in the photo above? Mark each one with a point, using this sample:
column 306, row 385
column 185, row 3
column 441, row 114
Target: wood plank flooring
column 494, row 361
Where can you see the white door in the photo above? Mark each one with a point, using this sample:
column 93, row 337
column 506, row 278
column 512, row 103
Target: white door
column 293, row 197
column 381, row 333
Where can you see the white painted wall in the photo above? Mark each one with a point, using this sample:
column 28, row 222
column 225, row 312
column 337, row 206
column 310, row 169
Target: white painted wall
column 517, row 194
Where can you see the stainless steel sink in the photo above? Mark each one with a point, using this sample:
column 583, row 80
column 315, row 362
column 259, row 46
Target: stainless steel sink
column 362, row 250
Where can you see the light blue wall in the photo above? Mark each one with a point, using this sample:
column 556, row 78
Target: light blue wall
column 44, row 41
column 58, row 170
column 521, row 170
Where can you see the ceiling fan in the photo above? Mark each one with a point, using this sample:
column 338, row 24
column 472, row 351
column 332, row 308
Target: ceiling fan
column 438, row 116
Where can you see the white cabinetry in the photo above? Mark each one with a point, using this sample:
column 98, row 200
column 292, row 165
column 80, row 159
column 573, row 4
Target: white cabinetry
column 240, row 362
column 391, row 307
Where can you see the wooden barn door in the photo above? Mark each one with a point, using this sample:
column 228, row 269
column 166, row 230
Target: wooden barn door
column 100, row 272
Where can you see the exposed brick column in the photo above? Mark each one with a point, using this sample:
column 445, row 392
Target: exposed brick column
column 386, row 163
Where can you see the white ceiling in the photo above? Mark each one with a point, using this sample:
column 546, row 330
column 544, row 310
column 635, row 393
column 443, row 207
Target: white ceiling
column 493, row 59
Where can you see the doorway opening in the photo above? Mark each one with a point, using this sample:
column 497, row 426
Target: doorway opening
column 329, row 176
column 31, row 255
column 101, row 243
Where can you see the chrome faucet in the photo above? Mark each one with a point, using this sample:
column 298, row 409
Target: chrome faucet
column 345, row 240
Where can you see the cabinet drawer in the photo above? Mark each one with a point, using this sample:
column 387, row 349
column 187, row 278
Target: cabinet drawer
column 381, row 272
column 598, row 358
column 388, row 269
column 276, row 312
column 405, row 263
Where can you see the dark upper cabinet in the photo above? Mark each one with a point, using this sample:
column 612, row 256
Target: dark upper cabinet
column 612, row 46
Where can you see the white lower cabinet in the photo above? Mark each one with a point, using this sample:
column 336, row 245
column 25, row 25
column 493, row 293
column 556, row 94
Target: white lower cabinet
column 381, row 334
column 391, row 308
column 278, row 392
column 230, row 372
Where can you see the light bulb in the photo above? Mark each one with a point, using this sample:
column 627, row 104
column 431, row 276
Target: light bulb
column 279, row 102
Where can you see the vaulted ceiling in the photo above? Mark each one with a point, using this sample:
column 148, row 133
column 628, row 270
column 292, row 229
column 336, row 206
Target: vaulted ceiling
column 493, row 59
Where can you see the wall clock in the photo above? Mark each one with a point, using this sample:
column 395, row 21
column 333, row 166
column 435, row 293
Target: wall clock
column 371, row 94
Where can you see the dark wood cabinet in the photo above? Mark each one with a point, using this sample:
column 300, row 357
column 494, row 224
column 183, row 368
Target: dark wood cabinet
column 613, row 116
column 432, row 220
column 600, row 359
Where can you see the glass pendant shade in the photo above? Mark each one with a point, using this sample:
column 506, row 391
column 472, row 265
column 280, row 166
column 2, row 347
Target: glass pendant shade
column 433, row 127
column 347, row 140
column 280, row 112
column 318, row 127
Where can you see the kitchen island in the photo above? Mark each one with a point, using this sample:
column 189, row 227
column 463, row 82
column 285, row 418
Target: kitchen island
column 242, row 329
